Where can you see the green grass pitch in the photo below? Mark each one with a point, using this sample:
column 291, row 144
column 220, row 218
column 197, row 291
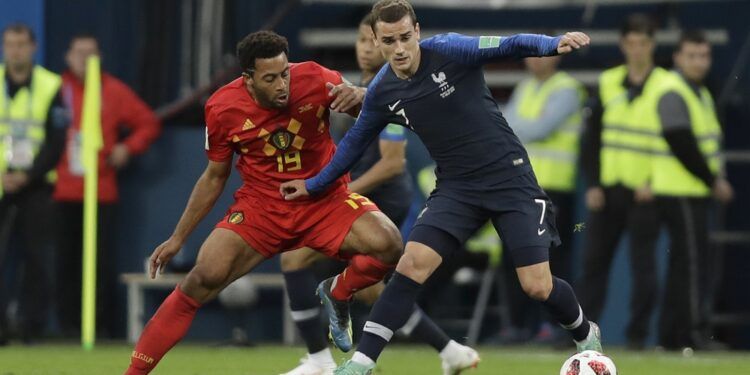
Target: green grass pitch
column 193, row 359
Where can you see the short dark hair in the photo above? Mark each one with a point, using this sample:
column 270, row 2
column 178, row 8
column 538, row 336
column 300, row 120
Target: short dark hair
column 691, row 36
column 83, row 35
column 392, row 11
column 638, row 23
column 260, row 45
column 20, row 28
column 367, row 19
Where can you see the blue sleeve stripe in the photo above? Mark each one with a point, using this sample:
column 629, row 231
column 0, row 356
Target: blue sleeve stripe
column 394, row 133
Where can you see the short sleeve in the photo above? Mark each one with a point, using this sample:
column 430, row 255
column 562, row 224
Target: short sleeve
column 217, row 145
column 393, row 133
column 673, row 112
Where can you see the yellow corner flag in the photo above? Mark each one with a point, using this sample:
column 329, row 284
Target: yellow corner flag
column 91, row 143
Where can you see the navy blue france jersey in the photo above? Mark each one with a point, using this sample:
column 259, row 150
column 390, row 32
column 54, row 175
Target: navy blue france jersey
column 448, row 104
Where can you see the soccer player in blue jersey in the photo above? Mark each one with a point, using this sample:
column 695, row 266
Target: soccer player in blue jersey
column 436, row 88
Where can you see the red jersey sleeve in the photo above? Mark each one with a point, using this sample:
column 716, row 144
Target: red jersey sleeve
column 217, row 146
column 331, row 76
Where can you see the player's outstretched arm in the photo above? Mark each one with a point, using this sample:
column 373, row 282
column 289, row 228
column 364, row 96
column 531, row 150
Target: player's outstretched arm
column 349, row 150
column 477, row 50
column 205, row 193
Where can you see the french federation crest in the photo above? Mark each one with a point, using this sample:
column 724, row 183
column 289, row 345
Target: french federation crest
column 439, row 78
column 281, row 139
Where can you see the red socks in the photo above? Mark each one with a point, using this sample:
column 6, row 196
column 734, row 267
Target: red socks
column 163, row 331
column 362, row 272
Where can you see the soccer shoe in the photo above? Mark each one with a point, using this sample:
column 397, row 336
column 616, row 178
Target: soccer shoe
column 309, row 367
column 593, row 341
column 353, row 368
column 457, row 357
column 339, row 322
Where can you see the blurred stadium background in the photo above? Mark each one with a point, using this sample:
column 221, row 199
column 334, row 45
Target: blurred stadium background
column 174, row 53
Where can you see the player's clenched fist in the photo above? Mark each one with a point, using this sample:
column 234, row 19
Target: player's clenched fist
column 162, row 255
column 571, row 41
column 294, row 189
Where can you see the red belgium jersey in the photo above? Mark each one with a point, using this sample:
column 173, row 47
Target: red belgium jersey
column 274, row 145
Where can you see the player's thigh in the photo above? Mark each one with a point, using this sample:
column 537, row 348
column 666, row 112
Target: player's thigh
column 373, row 234
column 300, row 258
column 223, row 258
column 528, row 230
column 446, row 223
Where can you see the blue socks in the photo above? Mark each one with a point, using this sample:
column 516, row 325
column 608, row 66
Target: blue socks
column 300, row 286
column 563, row 306
column 390, row 312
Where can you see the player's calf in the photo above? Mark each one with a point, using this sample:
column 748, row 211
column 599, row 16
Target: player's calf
column 557, row 297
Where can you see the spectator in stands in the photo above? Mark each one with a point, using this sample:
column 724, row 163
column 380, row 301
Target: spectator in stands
column 617, row 158
column 122, row 110
column 686, row 172
column 545, row 112
column 32, row 129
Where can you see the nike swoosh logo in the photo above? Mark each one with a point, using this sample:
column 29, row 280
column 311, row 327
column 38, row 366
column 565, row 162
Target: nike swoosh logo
column 540, row 231
column 392, row 107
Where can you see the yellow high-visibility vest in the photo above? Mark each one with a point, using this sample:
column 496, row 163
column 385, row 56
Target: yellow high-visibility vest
column 554, row 158
column 631, row 130
column 670, row 177
column 22, row 118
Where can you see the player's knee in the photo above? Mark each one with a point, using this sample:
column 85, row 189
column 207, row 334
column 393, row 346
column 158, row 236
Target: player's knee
column 207, row 278
column 414, row 268
column 537, row 289
column 386, row 244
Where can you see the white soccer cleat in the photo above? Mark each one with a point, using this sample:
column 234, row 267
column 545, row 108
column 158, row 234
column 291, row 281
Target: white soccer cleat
column 309, row 367
column 457, row 357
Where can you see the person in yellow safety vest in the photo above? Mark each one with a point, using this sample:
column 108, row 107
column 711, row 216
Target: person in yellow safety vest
column 686, row 171
column 545, row 111
column 33, row 122
column 616, row 156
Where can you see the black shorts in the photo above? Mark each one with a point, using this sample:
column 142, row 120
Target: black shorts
column 518, row 208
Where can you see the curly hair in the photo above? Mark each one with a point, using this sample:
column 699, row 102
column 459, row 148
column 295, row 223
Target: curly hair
column 260, row 45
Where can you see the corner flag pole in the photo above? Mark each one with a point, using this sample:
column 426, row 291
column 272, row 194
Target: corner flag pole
column 91, row 143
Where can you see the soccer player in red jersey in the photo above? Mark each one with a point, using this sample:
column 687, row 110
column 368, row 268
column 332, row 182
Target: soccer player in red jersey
column 275, row 117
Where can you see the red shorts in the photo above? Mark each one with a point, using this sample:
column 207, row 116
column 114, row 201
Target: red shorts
column 272, row 226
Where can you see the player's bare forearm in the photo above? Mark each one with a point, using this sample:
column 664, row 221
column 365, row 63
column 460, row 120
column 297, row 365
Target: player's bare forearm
column 379, row 173
column 207, row 190
column 392, row 163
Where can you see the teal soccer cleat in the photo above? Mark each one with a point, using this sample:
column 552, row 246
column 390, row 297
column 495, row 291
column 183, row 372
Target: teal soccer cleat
column 593, row 341
column 339, row 322
column 353, row 368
